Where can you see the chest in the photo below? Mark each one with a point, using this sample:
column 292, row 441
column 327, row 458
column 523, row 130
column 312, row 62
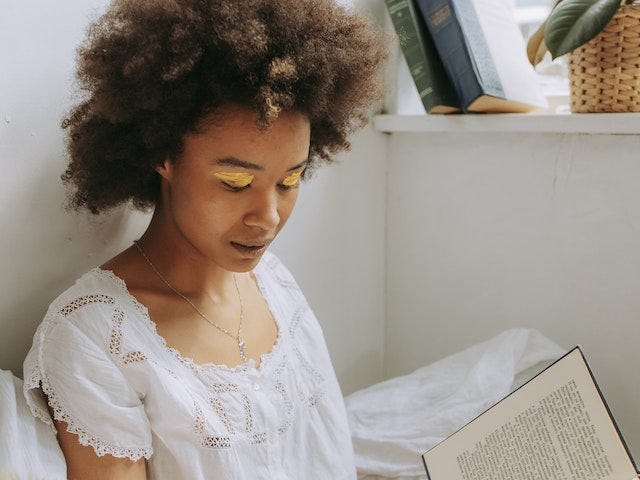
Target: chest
column 195, row 337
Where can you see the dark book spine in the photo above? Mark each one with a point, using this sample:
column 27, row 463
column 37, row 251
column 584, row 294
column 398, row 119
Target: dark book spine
column 448, row 37
column 433, row 84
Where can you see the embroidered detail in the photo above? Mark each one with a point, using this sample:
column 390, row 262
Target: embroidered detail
column 208, row 440
column 300, row 392
column 224, row 387
column 217, row 441
column 314, row 397
column 222, row 414
column 133, row 357
column 85, row 300
column 299, row 313
column 116, row 333
column 313, row 400
column 288, row 408
column 115, row 345
column 115, row 342
column 248, row 414
column 319, row 379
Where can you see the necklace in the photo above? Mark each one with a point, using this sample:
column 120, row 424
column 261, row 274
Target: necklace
column 238, row 338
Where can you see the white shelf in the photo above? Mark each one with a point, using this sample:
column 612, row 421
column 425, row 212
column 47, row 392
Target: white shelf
column 587, row 123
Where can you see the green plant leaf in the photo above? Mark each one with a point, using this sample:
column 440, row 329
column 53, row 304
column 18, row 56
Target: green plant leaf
column 574, row 22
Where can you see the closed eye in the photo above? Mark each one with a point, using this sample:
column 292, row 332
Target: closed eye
column 235, row 188
column 235, row 181
column 292, row 180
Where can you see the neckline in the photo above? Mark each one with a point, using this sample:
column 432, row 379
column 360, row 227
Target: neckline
column 249, row 365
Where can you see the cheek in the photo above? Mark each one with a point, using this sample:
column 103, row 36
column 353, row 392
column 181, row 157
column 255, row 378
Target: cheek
column 199, row 207
column 287, row 206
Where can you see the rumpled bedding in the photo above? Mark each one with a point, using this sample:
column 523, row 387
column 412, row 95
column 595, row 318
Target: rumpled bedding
column 394, row 422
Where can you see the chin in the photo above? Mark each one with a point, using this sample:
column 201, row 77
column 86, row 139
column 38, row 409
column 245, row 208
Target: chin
column 243, row 265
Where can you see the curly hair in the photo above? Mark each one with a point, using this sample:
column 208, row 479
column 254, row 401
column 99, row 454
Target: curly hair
column 154, row 70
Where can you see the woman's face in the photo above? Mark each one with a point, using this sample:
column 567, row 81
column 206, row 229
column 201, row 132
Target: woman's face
column 234, row 187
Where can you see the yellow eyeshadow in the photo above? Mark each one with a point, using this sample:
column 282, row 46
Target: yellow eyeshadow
column 292, row 180
column 236, row 179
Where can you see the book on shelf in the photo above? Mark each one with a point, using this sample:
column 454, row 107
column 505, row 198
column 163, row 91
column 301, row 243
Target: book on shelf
column 557, row 426
column 436, row 91
column 484, row 54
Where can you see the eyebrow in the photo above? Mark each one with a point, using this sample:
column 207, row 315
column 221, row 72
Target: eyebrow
column 236, row 162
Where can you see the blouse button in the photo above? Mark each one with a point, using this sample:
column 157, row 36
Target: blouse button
column 256, row 386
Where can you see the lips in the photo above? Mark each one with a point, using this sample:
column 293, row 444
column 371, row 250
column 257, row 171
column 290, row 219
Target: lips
column 251, row 249
column 251, row 244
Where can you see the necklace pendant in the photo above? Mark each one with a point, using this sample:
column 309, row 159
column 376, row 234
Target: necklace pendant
column 243, row 354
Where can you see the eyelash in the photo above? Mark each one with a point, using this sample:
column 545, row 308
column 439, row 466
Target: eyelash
column 239, row 189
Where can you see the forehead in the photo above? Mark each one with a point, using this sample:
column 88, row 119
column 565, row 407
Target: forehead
column 231, row 139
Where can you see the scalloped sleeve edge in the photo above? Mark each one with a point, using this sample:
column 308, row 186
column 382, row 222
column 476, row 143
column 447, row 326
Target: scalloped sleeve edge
column 34, row 380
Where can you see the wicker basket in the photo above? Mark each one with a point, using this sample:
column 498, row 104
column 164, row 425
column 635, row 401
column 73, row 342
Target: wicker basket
column 605, row 72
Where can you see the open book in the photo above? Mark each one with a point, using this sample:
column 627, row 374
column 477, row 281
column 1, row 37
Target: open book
column 557, row 426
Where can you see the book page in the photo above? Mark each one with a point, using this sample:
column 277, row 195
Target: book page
column 507, row 50
column 555, row 427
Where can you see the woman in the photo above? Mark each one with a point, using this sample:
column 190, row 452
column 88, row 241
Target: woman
column 193, row 354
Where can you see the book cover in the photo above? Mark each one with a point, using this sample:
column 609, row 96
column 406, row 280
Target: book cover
column 436, row 91
column 484, row 54
column 557, row 426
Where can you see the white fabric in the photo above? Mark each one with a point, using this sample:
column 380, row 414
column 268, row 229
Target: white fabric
column 28, row 448
column 111, row 376
column 394, row 422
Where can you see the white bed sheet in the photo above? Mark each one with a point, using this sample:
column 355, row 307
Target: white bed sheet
column 394, row 422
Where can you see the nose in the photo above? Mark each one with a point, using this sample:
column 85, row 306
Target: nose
column 263, row 211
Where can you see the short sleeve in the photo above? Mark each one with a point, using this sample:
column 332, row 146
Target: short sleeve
column 86, row 389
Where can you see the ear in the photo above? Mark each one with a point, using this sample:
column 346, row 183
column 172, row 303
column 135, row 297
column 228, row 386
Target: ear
column 165, row 169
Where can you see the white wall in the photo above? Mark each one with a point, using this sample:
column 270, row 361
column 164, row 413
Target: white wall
column 488, row 232
column 334, row 243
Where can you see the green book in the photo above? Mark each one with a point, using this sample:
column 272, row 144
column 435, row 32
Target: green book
column 434, row 87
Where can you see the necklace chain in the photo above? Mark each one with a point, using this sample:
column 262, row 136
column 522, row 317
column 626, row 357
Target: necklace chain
column 238, row 338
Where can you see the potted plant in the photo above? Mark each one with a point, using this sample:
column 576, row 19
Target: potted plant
column 602, row 38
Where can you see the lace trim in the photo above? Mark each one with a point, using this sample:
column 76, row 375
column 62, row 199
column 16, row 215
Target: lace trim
column 250, row 365
column 84, row 437
column 34, row 382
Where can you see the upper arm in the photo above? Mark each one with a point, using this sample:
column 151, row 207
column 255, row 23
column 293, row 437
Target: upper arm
column 102, row 426
column 82, row 461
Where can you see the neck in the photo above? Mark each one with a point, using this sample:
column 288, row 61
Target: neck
column 182, row 264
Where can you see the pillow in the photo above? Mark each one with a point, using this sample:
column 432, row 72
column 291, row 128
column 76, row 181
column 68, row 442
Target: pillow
column 29, row 448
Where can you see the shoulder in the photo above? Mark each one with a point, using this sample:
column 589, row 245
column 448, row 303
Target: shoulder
column 85, row 310
column 94, row 287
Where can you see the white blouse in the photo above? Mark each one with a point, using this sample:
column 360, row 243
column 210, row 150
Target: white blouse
column 122, row 390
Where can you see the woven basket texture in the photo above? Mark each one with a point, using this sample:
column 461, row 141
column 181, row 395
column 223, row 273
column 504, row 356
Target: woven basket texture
column 604, row 73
